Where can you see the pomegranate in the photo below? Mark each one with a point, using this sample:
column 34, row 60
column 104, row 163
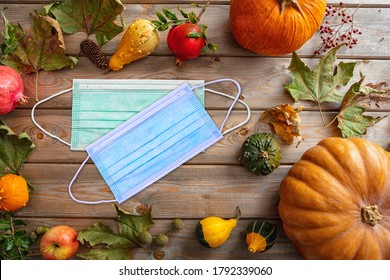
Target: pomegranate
column 11, row 90
column 183, row 46
column 187, row 38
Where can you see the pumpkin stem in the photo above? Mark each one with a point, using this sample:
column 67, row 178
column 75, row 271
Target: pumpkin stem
column 287, row 3
column 263, row 154
column 370, row 215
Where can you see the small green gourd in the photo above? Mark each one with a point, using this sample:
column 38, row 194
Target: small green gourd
column 212, row 231
column 260, row 236
column 260, row 153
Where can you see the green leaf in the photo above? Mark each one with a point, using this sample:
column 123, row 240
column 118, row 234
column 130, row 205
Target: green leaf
column 89, row 16
column 130, row 225
column 321, row 84
column 5, row 225
column 192, row 17
column 194, row 34
column 164, row 26
column 161, row 17
column 358, row 99
column 185, row 15
column 99, row 233
column 10, row 43
column 213, row 47
column 156, row 23
column 169, row 14
column 19, row 223
column 116, row 246
column 107, row 254
column 14, row 150
column 203, row 50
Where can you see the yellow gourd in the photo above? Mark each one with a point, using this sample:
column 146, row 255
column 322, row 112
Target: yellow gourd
column 260, row 236
column 213, row 231
column 140, row 40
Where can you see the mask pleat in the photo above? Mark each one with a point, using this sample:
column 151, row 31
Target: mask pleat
column 142, row 138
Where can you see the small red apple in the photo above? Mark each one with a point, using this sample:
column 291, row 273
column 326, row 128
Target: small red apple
column 59, row 243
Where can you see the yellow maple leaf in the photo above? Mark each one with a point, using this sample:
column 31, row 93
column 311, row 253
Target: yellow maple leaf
column 286, row 122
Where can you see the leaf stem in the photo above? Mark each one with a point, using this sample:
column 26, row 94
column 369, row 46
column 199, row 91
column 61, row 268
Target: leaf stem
column 202, row 11
column 334, row 119
column 321, row 114
column 13, row 234
column 36, row 86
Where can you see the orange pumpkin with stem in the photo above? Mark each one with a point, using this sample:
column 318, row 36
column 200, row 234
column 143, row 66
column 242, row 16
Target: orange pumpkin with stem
column 275, row 27
column 335, row 201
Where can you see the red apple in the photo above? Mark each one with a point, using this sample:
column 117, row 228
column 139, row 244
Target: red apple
column 59, row 243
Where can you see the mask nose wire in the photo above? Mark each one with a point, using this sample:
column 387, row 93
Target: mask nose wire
column 38, row 125
column 235, row 99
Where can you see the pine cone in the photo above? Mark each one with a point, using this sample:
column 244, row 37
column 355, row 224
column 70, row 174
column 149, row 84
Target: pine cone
column 94, row 53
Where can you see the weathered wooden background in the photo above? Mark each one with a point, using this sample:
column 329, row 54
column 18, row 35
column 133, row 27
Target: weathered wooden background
column 214, row 182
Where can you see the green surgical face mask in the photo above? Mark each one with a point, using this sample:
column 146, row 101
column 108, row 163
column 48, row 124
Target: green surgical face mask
column 99, row 106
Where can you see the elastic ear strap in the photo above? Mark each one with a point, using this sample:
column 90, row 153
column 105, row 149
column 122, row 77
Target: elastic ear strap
column 248, row 116
column 38, row 125
column 74, row 179
column 235, row 99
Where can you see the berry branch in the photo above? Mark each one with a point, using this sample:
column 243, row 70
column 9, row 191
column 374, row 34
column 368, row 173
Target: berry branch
column 338, row 28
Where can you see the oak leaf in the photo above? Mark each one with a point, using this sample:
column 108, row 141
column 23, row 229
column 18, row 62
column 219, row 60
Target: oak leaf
column 285, row 120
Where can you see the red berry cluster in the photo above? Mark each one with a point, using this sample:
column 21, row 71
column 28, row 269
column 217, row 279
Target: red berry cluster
column 338, row 28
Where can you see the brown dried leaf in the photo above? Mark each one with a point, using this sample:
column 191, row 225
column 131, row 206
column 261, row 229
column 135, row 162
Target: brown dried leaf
column 286, row 122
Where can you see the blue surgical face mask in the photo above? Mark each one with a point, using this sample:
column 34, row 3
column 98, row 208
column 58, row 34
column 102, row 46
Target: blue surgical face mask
column 154, row 142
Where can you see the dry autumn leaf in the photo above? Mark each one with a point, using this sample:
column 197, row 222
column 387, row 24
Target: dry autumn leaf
column 286, row 122
column 41, row 48
column 358, row 99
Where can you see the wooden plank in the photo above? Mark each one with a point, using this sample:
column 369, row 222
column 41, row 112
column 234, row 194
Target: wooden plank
column 225, row 151
column 183, row 244
column 373, row 43
column 191, row 191
column 371, row 3
column 261, row 79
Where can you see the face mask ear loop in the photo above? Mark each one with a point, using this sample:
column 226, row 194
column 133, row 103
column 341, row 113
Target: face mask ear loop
column 38, row 125
column 235, row 99
column 74, row 179
column 248, row 117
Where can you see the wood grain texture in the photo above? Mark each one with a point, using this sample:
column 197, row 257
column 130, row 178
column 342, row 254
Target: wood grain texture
column 226, row 151
column 261, row 79
column 191, row 191
column 220, row 2
column 374, row 43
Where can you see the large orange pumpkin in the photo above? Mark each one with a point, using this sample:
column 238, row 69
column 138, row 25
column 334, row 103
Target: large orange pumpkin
column 335, row 201
column 13, row 192
column 275, row 27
